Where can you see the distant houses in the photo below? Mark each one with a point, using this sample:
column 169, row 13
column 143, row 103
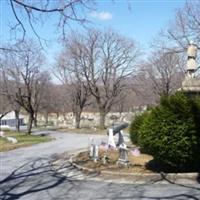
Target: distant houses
column 9, row 121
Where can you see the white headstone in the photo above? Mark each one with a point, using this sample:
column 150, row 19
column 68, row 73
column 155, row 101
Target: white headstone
column 111, row 141
column 91, row 150
column 12, row 139
column 96, row 152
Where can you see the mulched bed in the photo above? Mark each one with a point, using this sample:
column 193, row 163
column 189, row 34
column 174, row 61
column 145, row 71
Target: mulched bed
column 137, row 164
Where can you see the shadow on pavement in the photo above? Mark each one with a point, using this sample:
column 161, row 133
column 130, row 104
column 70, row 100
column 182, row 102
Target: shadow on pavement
column 175, row 197
column 178, row 184
column 32, row 177
column 38, row 177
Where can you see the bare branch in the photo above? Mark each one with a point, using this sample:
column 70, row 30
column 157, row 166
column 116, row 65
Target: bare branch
column 18, row 20
column 104, row 60
column 34, row 11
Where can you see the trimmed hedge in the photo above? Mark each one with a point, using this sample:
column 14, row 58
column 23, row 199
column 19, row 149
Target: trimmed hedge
column 171, row 132
column 135, row 126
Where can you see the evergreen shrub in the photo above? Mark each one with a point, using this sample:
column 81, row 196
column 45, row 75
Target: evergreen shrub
column 171, row 132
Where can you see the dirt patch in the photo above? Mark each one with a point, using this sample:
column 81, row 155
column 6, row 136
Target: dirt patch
column 137, row 164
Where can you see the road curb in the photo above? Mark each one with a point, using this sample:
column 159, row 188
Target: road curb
column 170, row 177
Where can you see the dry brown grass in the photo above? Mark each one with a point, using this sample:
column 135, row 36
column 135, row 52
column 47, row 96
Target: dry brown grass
column 136, row 164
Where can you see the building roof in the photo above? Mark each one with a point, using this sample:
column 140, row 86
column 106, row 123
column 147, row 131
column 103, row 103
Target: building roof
column 11, row 115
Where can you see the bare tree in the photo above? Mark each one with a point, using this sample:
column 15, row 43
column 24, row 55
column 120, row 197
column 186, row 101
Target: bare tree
column 76, row 87
column 4, row 103
column 125, row 101
column 4, row 108
column 187, row 24
column 164, row 72
column 184, row 28
column 79, row 96
column 104, row 60
column 51, row 101
column 40, row 88
column 23, row 69
column 142, row 88
column 7, row 89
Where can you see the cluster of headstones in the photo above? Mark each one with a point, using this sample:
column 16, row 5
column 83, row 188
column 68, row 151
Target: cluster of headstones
column 10, row 139
column 123, row 151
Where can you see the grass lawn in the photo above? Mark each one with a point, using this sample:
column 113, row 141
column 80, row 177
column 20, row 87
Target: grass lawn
column 23, row 140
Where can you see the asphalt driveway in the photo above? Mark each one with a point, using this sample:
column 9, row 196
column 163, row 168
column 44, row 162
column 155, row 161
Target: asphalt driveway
column 27, row 174
column 11, row 160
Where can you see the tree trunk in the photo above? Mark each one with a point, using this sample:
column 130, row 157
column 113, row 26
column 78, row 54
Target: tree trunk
column 17, row 122
column 30, row 122
column 102, row 119
column 77, row 120
column 35, row 120
column 46, row 119
column 0, row 123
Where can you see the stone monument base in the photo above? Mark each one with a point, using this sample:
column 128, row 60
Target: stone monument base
column 121, row 163
column 190, row 86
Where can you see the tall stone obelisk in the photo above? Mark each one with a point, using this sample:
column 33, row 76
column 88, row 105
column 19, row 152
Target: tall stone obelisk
column 191, row 84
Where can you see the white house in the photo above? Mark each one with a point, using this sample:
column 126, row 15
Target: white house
column 9, row 121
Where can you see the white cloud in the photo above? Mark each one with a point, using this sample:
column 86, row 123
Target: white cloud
column 102, row 15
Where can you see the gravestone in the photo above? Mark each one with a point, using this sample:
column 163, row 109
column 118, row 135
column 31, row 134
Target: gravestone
column 12, row 139
column 123, row 156
column 94, row 152
column 111, row 142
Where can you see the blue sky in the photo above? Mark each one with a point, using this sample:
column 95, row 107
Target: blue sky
column 142, row 22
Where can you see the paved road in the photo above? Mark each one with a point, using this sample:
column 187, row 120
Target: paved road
column 9, row 161
column 29, row 175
